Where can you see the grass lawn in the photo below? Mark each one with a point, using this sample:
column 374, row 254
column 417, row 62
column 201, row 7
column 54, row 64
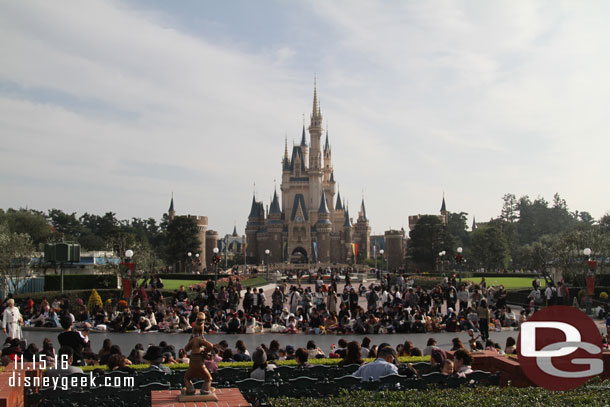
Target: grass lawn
column 510, row 283
column 171, row 285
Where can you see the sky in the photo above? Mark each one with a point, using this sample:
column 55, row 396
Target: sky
column 113, row 106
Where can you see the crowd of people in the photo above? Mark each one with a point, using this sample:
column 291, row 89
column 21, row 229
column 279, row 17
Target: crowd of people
column 385, row 307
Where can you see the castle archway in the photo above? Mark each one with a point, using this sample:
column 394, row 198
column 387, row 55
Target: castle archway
column 298, row 256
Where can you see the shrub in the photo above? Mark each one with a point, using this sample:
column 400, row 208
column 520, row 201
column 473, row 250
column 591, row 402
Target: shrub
column 95, row 301
column 588, row 395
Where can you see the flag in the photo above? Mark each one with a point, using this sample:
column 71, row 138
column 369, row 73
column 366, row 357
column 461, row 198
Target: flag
column 315, row 249
column 375, row 251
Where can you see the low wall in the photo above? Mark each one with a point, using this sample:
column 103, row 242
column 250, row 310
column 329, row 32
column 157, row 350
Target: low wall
column 510, row 369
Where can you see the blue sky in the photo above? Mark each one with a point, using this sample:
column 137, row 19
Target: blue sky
column 111, row 106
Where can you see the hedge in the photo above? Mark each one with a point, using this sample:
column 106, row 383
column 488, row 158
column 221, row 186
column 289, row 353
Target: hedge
column 594, row 394
column 327, row 362
column 72, row 295
column 80, row 282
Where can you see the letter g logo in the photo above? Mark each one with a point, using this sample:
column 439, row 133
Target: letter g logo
column 554, row 346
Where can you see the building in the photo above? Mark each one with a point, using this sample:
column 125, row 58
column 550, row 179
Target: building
column 443, row 217
column 311, row 223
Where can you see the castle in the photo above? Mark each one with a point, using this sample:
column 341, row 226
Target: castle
column 310, row 225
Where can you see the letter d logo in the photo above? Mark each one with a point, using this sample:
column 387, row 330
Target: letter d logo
column 554, row 345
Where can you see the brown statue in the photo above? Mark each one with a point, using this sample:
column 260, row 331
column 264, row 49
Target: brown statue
column 198, row 346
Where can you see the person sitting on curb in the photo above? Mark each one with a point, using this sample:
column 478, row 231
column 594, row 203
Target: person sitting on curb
column 382, row 366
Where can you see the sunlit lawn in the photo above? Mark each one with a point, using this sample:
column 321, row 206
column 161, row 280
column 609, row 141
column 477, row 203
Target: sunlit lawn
column 510, row 283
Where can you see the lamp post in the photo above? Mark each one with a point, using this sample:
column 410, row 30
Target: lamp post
column 381, row 252
column 190, row 256
column 197, row 261
column 243, row 244
column 215, row 260
column 132, row 270
column 591, row 265
column 267, row 252
column 458, row 260
column 440, row 256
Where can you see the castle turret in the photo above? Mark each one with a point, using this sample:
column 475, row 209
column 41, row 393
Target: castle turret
column 444, row 213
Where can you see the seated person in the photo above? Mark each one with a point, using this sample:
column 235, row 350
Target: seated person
column 461, row 362
column 259, row 364
column 154, row 356
column 447, row 367
column 382, row 366
column 301, row 356
column 65, row 358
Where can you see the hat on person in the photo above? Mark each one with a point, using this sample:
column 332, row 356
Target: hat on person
column 289, row 349
column 259, row 356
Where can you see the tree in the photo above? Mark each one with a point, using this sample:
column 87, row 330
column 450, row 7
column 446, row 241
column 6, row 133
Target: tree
column 30, row 222
column 427, row 239
column 457, row 226
column 489, row 248
column 16, row 251
column 510, row 208
column 182, row 237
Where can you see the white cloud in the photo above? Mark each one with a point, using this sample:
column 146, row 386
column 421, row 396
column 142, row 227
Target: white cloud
column 474, row 99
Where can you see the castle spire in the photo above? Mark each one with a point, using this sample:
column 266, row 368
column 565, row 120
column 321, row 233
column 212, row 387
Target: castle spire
column 323, row 205
column 474, row 223
column 362, row 209
column 316, row 106
column 275, row 204
column 443, row 206
column 171, row 204
column 303, row 141
column 339, row 205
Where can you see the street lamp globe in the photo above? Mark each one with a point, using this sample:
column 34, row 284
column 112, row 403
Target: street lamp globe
column 197, row 255
column 587, row 252
column 381, row 252
column 267, row 252
column 459, row 250
column 189, row 254
column 215, row 250
column 129, row 253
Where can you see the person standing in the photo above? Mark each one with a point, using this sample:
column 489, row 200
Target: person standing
column 483, row 314
column 331, row 301
column 12, row 320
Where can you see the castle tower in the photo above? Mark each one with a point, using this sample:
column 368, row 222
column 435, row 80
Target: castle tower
column 315, row 171
column 211, row 241
column 202, row 227
column 323, row 229
column 347, row 240
column 394, row 249
column 254, row 225
column 275, row 228
column 362, row 234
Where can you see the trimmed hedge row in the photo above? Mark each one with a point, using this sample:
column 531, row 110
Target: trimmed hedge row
column 594, row 394
column 72, row 295
column 327, row 362
column 80, row 282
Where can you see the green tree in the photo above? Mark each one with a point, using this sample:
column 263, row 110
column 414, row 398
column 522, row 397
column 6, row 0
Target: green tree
column 427, row 239
column 457, row 226
column 30, row 222
column 510, row 208
column 182, row 237
column 489, row 248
